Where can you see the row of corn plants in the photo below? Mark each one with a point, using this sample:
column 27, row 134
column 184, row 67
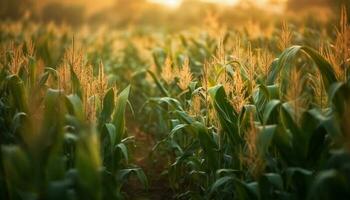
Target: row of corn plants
column 62, row 129
column 248, row 126
column 239, row 114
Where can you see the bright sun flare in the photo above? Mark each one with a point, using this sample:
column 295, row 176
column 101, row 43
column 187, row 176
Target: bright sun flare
column 169, row 3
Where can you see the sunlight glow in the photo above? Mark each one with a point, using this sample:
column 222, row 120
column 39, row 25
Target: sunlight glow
column 225, row 2
column 168, row 3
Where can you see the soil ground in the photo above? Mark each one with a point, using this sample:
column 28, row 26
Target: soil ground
column 153, row 167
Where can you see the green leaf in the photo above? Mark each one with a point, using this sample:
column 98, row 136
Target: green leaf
column 269, row 184
column 124, row 150
column 53, row 119
column 226, row 113
column 269, row 108
column 177, row 128
column 208, row 145
column 265, row 138
column 17, row 90
column 275, row 180
column 75, row 106
column 172, row 102
column 221, row 182
column 221, row 172
column 123, row 174
column 159, row 84
column 301, row 130
column 111, row 130
column 119, row 114
column 107, row 108
column 284, row 64
column 339, row 94
column 16, row 166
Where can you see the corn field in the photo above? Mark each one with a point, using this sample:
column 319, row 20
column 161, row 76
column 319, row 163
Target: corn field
column 209, row 112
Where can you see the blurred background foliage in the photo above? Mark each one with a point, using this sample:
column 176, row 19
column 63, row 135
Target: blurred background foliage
column 123, row 13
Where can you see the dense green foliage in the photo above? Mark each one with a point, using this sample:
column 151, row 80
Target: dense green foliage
column 237, row 115
column 51, row 148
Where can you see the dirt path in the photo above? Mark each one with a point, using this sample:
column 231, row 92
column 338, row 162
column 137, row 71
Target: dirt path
column 153, row 167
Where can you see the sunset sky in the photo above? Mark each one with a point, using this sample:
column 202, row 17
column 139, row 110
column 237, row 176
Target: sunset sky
column 174, row 3
column 96, row 5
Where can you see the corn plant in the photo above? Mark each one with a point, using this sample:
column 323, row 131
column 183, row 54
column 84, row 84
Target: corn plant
column 51, row 146
column 279, row 144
